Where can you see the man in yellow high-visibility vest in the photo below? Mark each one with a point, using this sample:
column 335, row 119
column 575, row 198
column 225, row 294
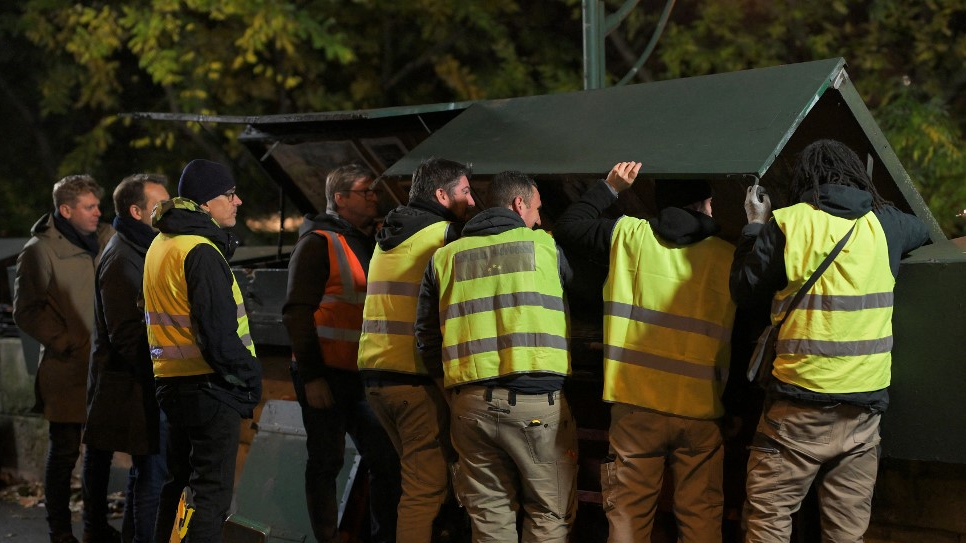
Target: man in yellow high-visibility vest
column 208, row 378
column 667, row 351
column 830, row 380
column 402, row 394
column 492, row 327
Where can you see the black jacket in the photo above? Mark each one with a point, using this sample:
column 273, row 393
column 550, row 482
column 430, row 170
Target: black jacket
column 121, row 345
column 214, row 312
column 308, row 271
column 404, row 221
column 758, row 270
column 580, row 230
column 429, row 338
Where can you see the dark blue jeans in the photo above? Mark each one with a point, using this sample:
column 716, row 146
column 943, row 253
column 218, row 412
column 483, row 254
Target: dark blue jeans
column 63, row 448
column 325, row 431
column 147, row 475
column 201, row 449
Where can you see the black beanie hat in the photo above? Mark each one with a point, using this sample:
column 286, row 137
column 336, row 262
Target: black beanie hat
column 204, row 180
column 680, row 192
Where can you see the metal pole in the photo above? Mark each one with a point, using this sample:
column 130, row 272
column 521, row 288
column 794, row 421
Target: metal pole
column 591, row 43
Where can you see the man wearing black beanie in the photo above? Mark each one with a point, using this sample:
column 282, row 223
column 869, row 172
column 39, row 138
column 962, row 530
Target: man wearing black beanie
column 208, row 378
column 667, row 347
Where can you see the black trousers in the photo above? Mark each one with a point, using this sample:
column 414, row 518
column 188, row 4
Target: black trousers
column 201, row 449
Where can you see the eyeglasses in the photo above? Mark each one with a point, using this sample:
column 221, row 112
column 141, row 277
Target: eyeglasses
column 365, row 192
column 230, row 195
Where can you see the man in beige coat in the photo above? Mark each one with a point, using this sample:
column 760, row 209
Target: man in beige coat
column 54, row 304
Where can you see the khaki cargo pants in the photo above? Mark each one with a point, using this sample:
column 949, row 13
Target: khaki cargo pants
column 797, row 443
column 516, row 452
column 642, row 443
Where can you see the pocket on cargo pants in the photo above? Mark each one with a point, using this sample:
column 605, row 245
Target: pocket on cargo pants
column 608, row 481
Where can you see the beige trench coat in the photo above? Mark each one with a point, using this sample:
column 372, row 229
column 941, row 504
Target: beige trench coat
column 54, row 304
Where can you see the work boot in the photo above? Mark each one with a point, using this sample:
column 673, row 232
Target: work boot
column 63, row 537
column 107, row 535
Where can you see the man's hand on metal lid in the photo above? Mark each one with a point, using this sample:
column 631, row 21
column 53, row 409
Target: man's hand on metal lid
column 318, row 394
column 622, row 175
column 757, row 205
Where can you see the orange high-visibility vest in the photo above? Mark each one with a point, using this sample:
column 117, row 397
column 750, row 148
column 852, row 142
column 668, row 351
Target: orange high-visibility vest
column 338, row 319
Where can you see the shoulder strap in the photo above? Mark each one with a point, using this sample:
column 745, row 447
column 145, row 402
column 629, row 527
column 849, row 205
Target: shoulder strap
column 816, row 274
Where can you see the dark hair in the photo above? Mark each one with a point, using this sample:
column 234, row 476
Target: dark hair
column 506, row 186
column 130, row 191
column 70, row 188
column 436, row 173
column 341, row 179
column 831, row 162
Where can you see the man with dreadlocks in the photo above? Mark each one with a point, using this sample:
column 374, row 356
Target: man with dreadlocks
column 828, row 389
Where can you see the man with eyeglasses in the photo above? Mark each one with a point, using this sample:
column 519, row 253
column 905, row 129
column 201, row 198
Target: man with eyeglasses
column 208, row 378
column 323, row 316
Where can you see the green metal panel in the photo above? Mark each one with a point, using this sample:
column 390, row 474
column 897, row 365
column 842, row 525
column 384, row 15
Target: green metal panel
column 711, row 126
column 927, row 411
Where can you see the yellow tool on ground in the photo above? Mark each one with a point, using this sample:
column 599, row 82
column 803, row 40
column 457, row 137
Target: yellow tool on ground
column 186, row 509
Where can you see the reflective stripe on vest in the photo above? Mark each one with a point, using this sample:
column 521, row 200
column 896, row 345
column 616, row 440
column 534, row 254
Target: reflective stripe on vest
column 501, row 307
column 839, row 338
column 667, row 322
column 338, row 318
column 388, row 327
column 171, row 337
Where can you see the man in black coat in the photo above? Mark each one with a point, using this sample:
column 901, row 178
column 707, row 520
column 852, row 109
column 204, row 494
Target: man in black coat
column 122, row 412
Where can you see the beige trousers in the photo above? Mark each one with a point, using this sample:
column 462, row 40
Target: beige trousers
column 834, row 446
column 515, row 453
column 417, row 421
column 642, row 443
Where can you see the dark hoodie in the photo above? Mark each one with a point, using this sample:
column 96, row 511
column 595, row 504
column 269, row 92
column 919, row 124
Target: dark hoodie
column 213, row 310
column 758, row 270
column 308, row 272
column 580, row 230
column 404, row 221
column 429, row 338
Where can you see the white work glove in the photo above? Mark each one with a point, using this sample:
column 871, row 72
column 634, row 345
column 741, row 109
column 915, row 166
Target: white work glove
column 757, row 211
column 622, row 175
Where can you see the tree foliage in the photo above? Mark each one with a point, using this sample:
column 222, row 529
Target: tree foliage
column 907, row 60
column 68, row 69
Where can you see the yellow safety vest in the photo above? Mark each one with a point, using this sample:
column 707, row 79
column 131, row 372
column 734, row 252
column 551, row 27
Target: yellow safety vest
column 171, row 338
column 338, row 318
column 501, row 307
column 667, row 322
column 839, row 337
column 388, row 339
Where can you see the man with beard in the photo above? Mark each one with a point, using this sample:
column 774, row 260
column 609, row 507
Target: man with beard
column 402, row 394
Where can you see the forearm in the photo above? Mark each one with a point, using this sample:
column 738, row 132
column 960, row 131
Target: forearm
column 581, row 230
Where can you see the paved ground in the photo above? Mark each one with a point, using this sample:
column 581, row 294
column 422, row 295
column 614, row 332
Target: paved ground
column 23, row 517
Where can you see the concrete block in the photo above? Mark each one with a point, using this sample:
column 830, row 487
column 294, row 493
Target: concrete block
column 23, row 446
column 16, row 382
